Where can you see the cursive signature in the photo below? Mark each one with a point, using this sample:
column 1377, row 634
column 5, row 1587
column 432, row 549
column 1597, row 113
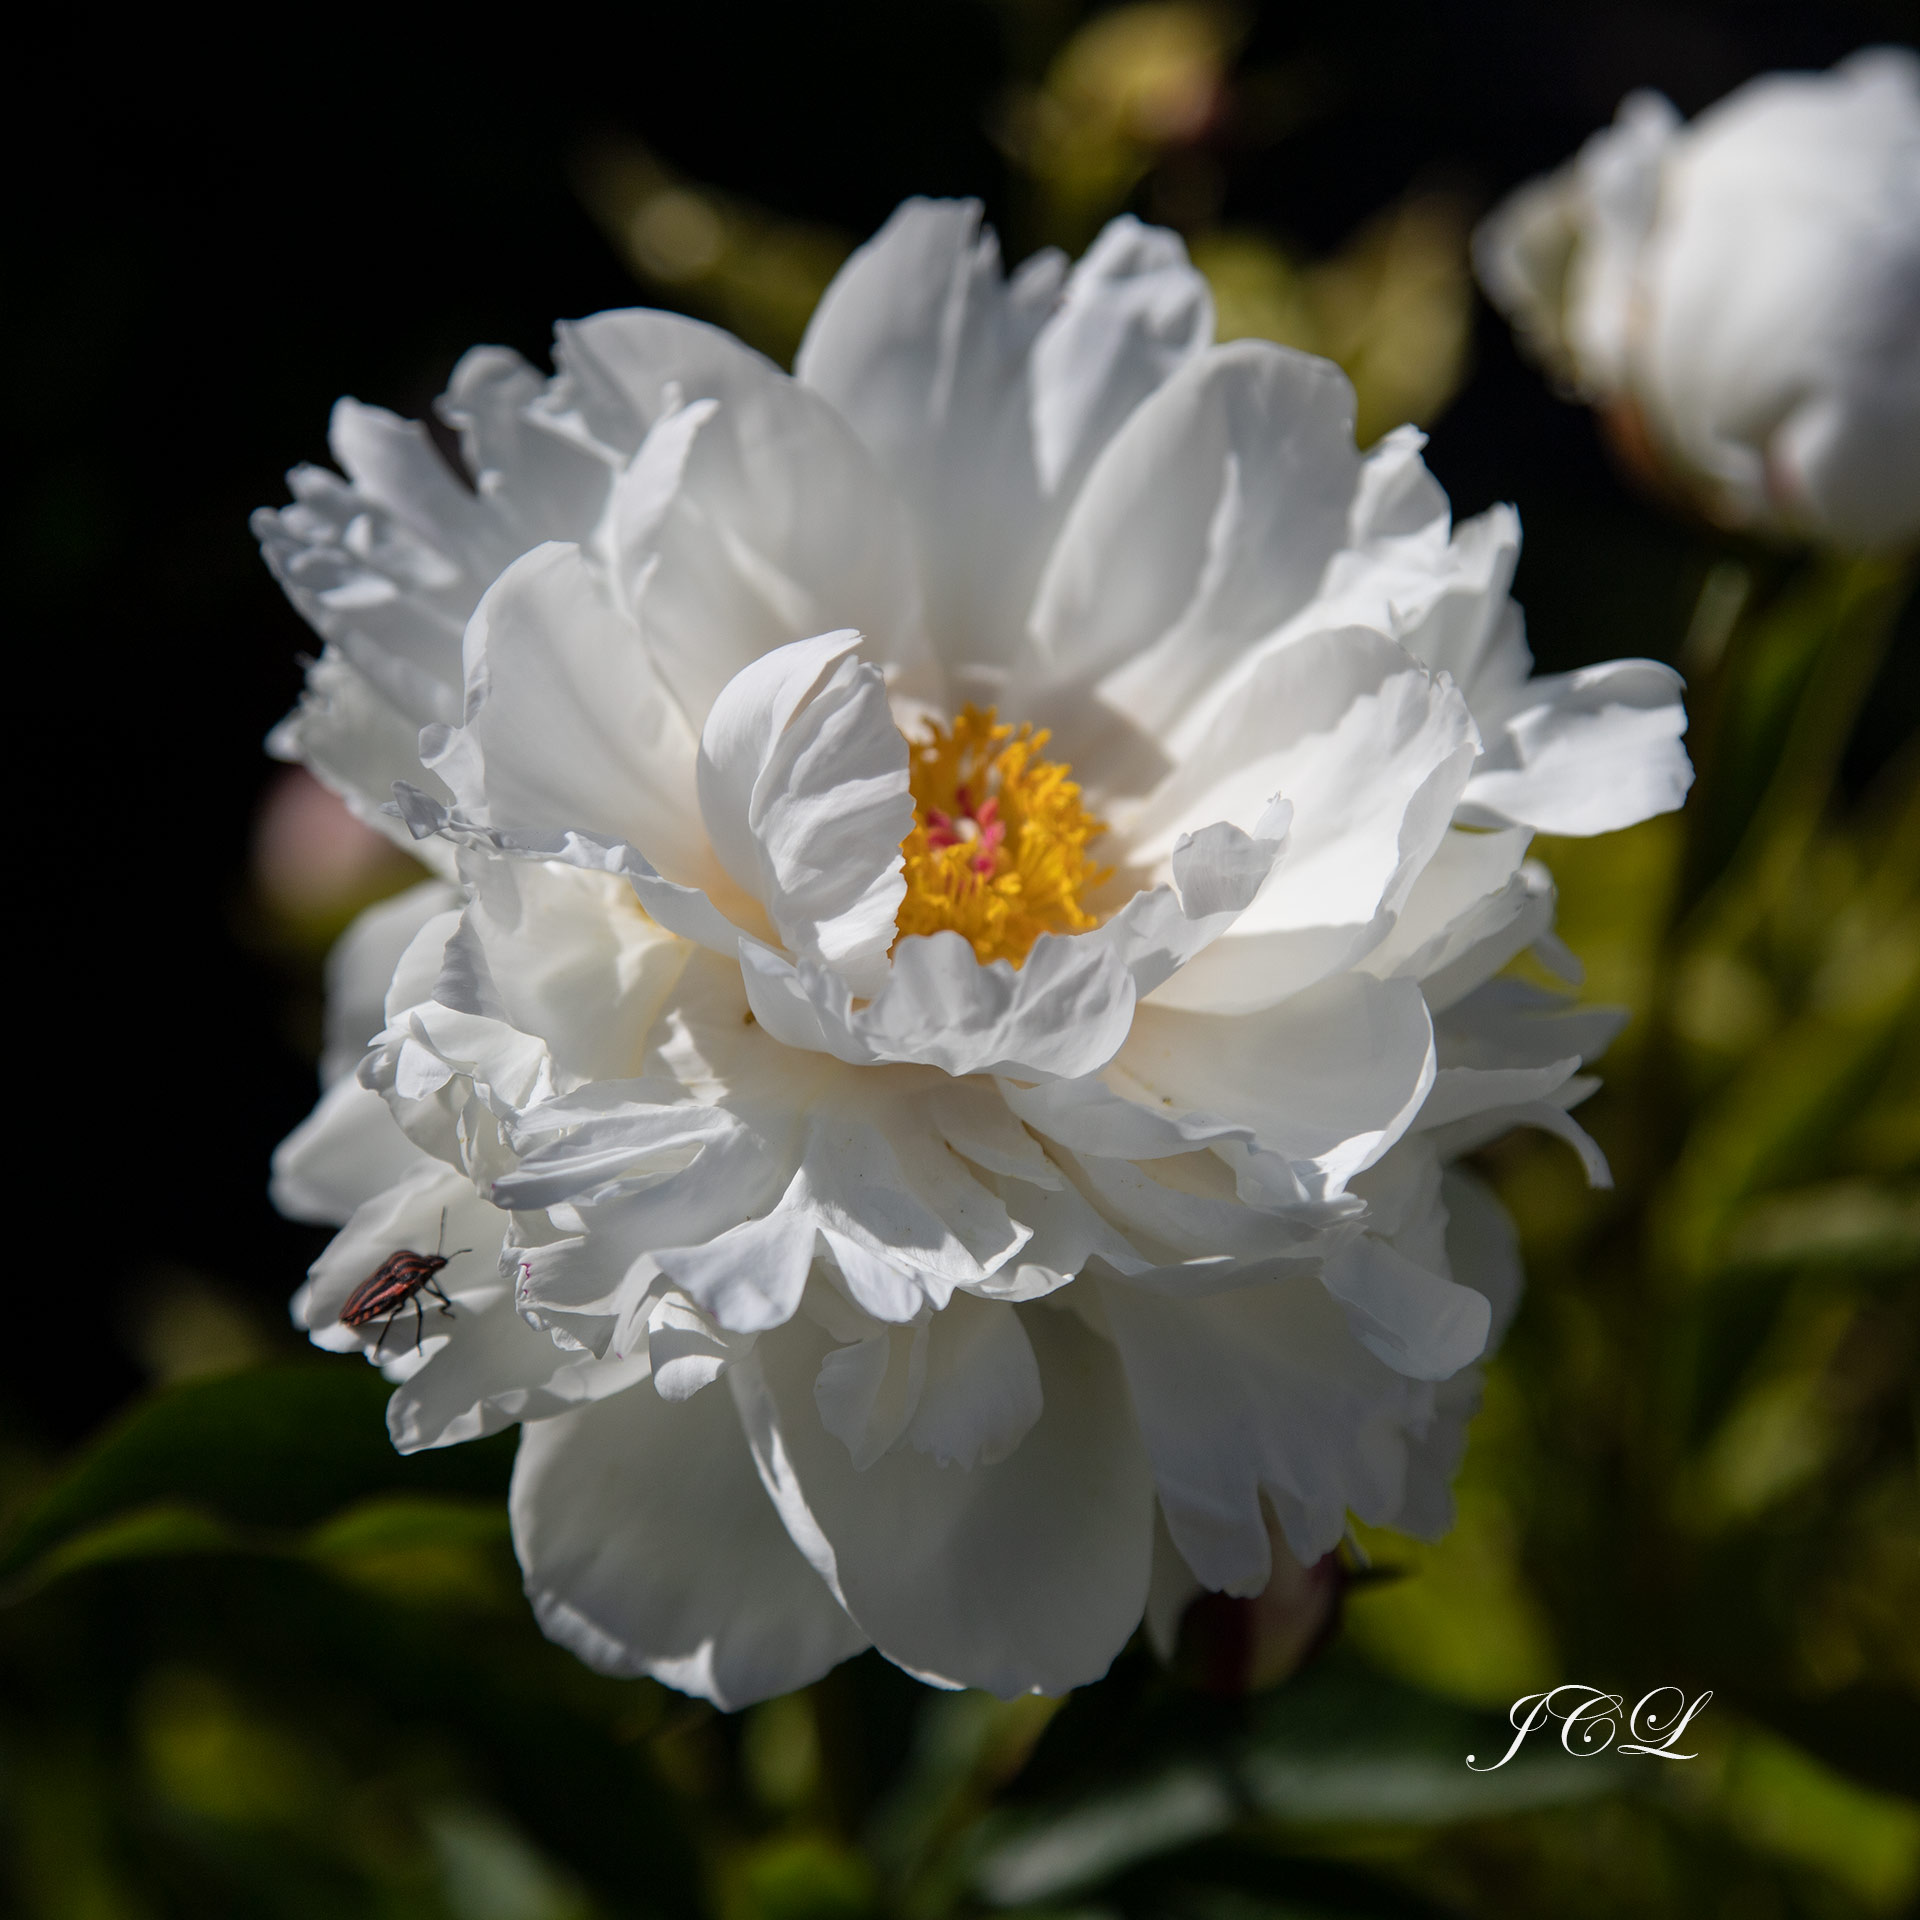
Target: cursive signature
column 1590, row 1722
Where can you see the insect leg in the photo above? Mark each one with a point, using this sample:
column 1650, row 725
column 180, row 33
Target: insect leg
column 418, row 1316
column 446, row 1305
column 386, row 1328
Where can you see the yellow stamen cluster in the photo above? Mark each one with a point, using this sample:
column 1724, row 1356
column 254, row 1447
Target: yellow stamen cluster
column 998, row 851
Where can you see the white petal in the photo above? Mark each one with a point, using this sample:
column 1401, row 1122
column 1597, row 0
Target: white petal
column 750, row 515
column 344, row 1152
column 572, row 959
column 1470, row 891
column 1621, row 171
column 649, row 1548
column 895, row 1207
column 1068, row 1231
column 337, row 557
column 1583, row 752
column 539, row 479
column 1517, row 919
column 589, row 1290
column 867, row 1390
column 1442, row 594
column 981, row 1394
column 358, row 743
column 1550, row 1115
column 509, row 1070
column 1090, row 1117
column 659, row 1152
column 1461, row 1091
column 622, row 371
column 1132, row 313
column 1063, row 1012
column 1419, row 1322
column 646, row 493
column 1403, row 1205
column 986, row 401
column 1396, row 495
column 1024, row 1576
column 1483, row 1247
column 688, row 1350
column 751, row 1277
column 1521, row 253
column 685, row 910
column 1206, row 524
column 567, row 724
column 387, row 564
column 975, row 1122
column 883, row 1176
column 418, row 970
column 1328, row 1079
column 924, row 349
column 1776, row 299
column 1510, row 1023
column 1173, row 1590
column 494, row 1371
column 1434, row 1455
column 360, row 969
column 1372, row 751
column 1259, row 1392
column 1189, row 1219
column 803, row 785
column 1845, row 461
column 1459, row 620
column 709, row 1042
column 394, row 464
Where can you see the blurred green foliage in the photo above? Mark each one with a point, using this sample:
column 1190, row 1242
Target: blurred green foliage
column 254, row 1663
column 1140, row 103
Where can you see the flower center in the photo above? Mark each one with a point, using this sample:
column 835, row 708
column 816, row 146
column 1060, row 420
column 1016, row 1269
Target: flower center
column 998, row 851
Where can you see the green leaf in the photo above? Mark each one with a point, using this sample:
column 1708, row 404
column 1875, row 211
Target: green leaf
column 1784, row 1802
column 1775, row 723
column 146, row 1531
column 1869, row 1731
column 1068, row 1850
column 1773, row 1119
column 398, row 1707
column 1340, row 1745
column 423, row 1552
column 1259, row 1880
column 1853, row 1224
column 282, row 1447
column 803, row 1876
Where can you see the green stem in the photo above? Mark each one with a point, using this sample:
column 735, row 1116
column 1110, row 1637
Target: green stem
column 1783, row 707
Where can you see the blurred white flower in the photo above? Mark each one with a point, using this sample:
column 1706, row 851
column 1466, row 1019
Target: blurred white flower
column 1742, row 295
column 935, row 1178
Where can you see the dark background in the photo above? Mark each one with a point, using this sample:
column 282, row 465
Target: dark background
column 212, row 238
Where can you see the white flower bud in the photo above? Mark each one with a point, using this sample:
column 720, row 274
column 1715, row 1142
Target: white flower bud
column 1742, row 295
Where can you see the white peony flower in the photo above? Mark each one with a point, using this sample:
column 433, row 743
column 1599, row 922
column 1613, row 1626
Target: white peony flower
column 971, row 884
column 1743, row 294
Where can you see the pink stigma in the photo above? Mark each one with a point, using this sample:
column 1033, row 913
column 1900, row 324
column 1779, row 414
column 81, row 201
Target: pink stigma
column 984, row 829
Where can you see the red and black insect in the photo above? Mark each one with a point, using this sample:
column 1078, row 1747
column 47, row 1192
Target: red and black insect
column 401, row 1277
